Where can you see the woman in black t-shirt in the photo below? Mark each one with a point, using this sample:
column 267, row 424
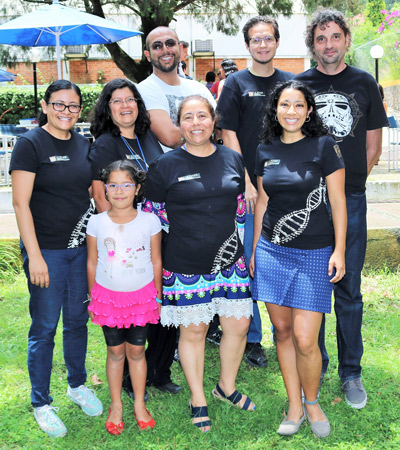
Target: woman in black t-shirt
column 204, row 271
column 51, row 178
column 293, row 262
column 120, row 125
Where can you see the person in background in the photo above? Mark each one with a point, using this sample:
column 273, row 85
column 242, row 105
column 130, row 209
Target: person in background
column 51, row 178
column 201, row 188
column 228, row 66
column 183, row 65
column 350, row 105
column 210, row 80
column 294, row 262
column 241, row 109
column 214, row 89
column 184, row 50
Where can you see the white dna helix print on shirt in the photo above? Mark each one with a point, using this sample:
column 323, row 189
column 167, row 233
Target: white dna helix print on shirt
column 225, row 256
column 293, row 224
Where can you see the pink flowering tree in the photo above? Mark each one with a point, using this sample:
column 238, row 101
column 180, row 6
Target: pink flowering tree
column 390, row 22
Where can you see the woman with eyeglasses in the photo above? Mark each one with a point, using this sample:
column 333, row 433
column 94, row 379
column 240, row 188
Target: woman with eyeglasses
column 51, row 177
column 120, row 125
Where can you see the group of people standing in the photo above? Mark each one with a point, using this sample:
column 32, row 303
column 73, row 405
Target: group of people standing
column 183, row 222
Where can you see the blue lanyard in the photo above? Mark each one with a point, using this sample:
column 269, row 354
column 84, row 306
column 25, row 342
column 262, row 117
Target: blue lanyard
column 133, row 153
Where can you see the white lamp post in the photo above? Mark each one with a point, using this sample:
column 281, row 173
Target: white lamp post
column 376, row 53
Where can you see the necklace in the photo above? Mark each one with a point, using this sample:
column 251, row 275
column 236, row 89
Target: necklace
column 135, row 155
column 184, row 148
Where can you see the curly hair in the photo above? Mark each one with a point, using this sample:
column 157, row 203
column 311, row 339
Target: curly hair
column 255, row 21
column 56, row 86
column 136, row 175
column 100, row 116
column 319, row 19
column 272, row 129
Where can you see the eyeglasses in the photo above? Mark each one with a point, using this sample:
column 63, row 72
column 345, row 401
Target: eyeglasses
column 62, row 107
column 170, row 43
column 265, row 39
column 124, row 187
column 120, row 101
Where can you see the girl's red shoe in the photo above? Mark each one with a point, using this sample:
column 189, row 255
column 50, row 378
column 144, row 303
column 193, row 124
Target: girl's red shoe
column 111, row 427
column 143, row 425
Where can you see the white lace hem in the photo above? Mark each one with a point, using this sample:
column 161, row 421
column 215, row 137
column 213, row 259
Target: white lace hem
column 195, row 314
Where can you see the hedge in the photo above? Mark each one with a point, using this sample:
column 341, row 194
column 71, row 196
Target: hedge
column 18, row 103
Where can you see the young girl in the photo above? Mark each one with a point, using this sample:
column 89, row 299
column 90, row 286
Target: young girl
column 124, row 275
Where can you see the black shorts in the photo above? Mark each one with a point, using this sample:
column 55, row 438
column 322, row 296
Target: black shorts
column 132, row 335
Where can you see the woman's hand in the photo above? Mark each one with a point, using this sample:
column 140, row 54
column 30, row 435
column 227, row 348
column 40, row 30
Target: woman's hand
column 38, row 271
column 250, row 196
column 252, row 265
column 159, row 306
column 337, row 261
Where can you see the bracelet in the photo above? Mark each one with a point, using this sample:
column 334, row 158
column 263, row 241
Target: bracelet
column 88, row 299
column 158, row 300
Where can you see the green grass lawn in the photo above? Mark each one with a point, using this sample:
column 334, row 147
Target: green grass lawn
column 375, row 427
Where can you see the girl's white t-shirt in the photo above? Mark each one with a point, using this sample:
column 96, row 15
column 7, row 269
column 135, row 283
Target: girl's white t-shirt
column 124, row 254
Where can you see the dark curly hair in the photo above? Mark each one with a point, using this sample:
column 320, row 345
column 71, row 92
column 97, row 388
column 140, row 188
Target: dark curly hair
column 100, row 117
column 319, row 19
column 255, row 21
column 209, row 106
column 137, row 176
column 56, row 86
column 272, row 129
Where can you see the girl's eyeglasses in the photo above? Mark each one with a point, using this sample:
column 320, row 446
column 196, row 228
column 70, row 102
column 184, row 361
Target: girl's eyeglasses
column 60, row 107
column 124, row 187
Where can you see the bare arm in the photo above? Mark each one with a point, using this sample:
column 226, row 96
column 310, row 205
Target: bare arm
column 261, row 206
column 337, row 200
column 230, row 140
column 155, row 244
column 99, row 196
column 91, row 265
column 166, row 132
column 374, row 147
column 22, row 183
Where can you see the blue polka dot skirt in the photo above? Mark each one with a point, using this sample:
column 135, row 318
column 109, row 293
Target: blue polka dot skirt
column 292, row 277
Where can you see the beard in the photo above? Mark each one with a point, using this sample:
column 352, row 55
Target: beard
column 167, row 69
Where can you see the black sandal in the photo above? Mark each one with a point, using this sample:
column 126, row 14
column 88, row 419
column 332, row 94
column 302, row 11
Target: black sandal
column 233, row 399
column 200, row 411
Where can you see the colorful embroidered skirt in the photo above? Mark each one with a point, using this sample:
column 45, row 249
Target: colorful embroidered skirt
column 292, row 277
column 191, row 299
column 123, row 309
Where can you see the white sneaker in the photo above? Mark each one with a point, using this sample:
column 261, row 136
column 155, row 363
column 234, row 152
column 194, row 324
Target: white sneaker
column 49, row 422
column 86, row 399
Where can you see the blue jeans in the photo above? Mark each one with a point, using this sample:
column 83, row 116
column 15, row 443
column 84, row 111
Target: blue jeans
column 67, row 292
column 348, row 298
column 255, row 331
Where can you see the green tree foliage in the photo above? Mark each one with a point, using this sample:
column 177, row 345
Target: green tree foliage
column 350, row 7
column 373, row 12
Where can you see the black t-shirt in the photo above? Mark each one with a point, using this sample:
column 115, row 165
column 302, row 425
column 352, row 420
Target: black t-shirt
column 350, row 104
column 200, row 196
column 108, row 148
column 294, row 180
column 60, row 203
column 241, row 109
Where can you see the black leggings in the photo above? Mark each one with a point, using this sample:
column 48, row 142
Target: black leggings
column 132, row 335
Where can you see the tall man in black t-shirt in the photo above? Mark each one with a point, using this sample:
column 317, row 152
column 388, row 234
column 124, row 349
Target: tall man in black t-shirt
column 349, row 102
column 241, row 108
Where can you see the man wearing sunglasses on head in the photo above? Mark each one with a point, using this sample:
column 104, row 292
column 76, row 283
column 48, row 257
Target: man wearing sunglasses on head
column 163, row 90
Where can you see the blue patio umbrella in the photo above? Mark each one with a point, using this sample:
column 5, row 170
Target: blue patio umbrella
column 6, row 76
column 57, row 25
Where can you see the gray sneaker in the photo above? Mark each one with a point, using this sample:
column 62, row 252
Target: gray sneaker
column 355, row 394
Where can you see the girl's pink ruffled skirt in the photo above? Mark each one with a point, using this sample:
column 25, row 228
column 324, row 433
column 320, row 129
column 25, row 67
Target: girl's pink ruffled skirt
column 123, row 309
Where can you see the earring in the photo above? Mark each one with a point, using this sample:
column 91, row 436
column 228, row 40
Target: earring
column 276, row 118
column 308, row 119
